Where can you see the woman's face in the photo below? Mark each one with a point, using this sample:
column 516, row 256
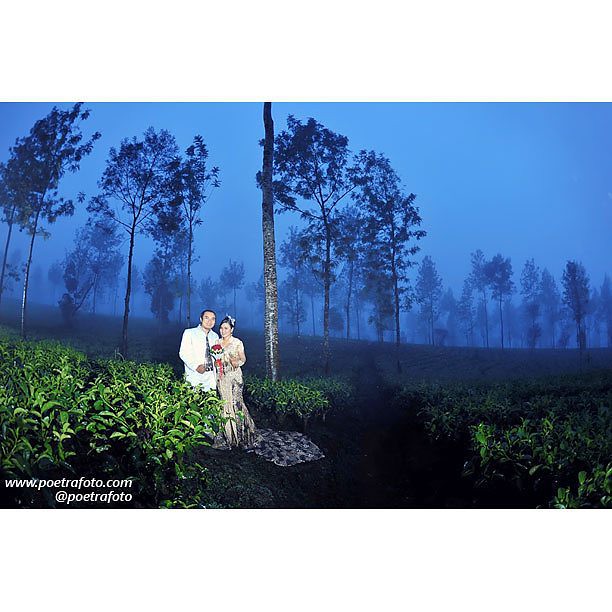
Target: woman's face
column 225, row 330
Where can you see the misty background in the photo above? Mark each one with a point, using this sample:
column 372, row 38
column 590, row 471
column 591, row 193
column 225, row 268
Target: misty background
column 527, row 181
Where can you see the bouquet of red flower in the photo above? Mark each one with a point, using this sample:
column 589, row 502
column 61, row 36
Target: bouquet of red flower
column 216, row 350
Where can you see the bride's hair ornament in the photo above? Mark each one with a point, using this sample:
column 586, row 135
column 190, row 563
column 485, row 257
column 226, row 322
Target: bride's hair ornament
column 229, row 319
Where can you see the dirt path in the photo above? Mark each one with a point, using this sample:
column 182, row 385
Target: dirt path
column 375, row 457
column 383, row 459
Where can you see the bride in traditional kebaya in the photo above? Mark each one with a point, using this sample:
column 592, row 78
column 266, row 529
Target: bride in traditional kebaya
column 239, row 429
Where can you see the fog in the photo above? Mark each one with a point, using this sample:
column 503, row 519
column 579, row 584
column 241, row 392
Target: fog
column 522, row 180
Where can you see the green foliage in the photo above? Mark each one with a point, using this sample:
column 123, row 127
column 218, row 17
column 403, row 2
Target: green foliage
column 304, row 398
column 285, row 397
column 59, row 412
column 589, row 487
column 338, row 392
column 544, row 435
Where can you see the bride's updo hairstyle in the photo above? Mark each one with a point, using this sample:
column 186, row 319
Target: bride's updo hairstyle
column 229, row 320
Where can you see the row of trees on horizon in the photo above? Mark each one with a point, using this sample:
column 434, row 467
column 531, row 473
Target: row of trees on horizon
column 545, row 315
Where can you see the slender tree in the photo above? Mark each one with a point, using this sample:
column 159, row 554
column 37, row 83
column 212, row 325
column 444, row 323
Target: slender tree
column 137, row 286
column 78, row 281
column 531, row 291
column 482, row 321
column 232, row 277
column 312, row 249
column 292, row 258
column 391, row 222
column 193, row 184
column 605, row 296
column 498, row 273
column 265, row 180
column 160, row 275
column 479, row 281
column 86, row 266
column 449, row 307
column 311, row 163
column 138, row 177
column 291, row 306
column 350, row 250
column 336, row 323
column 576, row 297
column 52, row 148
column 103, row 243
column 208, row 292
column 256, row 295
column 11, row 196
column 592, row 319
column 428, row 293
column 551, row 302
column 55, row 275
column 312, row 287
column 114, row 286
column 181, row 254
column 378, row 291
column 14, row 270
column 466, row 312
column 510, row 320
column 157, row 278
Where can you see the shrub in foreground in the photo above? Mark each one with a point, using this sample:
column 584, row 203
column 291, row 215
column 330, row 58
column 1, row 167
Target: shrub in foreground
column 62, row 414
column 551, row 438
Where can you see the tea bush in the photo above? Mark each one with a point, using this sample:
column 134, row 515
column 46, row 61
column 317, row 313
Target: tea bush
column 551, row 437
column 338, row 392
column 60, row 413
column 285, row 397
column 303, row 398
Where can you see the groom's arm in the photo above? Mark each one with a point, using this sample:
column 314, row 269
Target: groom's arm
column 188, row 354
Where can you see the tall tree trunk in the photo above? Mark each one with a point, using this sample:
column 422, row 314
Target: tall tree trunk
column 6, row 248
column 581, row 335
column 269, row 250
column 26, row 280
column 313, row 317
column 396, row 308
column 357, row 315
column 501, row 320
column 348, row 301
column 128, row 290
column 484, row 301
column 297, row 310
column 327, row 287
column 431, row 318
column 189, row 275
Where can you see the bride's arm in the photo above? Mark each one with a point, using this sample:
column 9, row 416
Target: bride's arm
column 239, row 358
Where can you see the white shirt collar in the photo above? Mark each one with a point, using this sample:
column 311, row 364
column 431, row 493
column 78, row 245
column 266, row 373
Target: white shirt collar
column 205, row 333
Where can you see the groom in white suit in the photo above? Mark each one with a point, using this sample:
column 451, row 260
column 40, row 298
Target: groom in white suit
column 195, row 352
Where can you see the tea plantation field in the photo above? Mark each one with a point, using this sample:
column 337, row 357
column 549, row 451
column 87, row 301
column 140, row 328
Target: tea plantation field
column 458, row 428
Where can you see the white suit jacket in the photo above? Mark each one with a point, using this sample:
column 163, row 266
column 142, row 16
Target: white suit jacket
column 192, row 353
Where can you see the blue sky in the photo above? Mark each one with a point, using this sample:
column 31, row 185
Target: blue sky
column 522, row 179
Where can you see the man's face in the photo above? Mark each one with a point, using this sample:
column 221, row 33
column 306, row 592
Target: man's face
column 208, row 320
